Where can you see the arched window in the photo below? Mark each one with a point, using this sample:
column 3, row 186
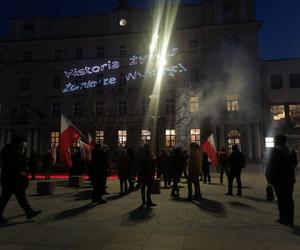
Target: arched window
column 233, row 138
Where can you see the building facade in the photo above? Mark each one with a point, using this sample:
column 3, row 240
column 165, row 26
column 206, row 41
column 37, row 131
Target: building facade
column 97, row 70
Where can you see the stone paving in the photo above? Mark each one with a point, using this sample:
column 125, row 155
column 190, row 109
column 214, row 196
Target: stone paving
column 69, row 221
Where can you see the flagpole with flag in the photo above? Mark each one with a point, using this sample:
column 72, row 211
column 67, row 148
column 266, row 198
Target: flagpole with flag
column 69, row 134
column 209, row 147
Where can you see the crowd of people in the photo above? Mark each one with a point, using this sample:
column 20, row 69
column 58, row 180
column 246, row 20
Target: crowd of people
column 138, row 170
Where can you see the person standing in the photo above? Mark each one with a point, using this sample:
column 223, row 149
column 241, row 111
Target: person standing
column 223, row 163
column 194, row 170
column 146, row 173
column 280, row 173
column 236, row 163
column 14, row 179
column 32, row 164
column 205, row 168
column 123, row 171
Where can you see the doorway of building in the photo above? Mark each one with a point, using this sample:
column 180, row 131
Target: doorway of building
column 233, row 138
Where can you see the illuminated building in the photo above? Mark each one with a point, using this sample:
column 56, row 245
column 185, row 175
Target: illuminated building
column 213, row 83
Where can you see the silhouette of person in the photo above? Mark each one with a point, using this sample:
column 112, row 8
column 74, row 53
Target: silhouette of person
column 123, row 171
column 14, row 179
column 223, row 163
column 32, row 164
column 205, row 168
column 280, row 173
column 236, row 162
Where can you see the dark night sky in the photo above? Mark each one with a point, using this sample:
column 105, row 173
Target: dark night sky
column 279, row 36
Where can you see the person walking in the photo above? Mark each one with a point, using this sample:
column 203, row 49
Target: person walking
column 223, row 163
column 14, row 179
column 194, row 170
column 280, row 173
column 236, row 163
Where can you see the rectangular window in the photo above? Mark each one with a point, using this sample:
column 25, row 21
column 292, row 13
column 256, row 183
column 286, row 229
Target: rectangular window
column 294, row 80
column 294, row 111
column 99, row 137
column 55, row 109
column 194, row 104
column 25, row 83
column 57, row 55
column 100, row 52
column 269, row 142
column 193, row 44
column 54, row 139
column 122, row 107
column 79, row 53
column 170, row 137
column 195, row 135
column 145, row 106
column 123, row 50
column 99, row 109
column 122, row 138
column 27, row 56
column 146, row 137
column 276, row 82
column 122, row 78
column 277, row 112
column 56, row 82
column 77, row 109
column 232, row 103
column 24, row 110
column 194, row 75
column 170, row 106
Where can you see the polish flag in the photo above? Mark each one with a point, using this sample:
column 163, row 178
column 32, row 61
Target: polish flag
column 209, row 147
column 69, row 134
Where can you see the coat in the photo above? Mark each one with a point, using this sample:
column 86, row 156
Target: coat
column 195, row 162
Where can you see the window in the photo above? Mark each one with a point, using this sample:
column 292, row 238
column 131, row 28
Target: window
column 54, row 139
column 195, row 135
column 122, row 107
column 294, row 111
column 57, row 55
column 78, row 53
column 277, row 112
column 99, row 108
column 100, row 52
column 276, row 82
column 55, row 109
column 269, row 142
column 170, row 137
column 194, row 104
column 146, row 137
column 170, row 106
column 145, row 105
column 123, row 51
column 56, row 82
column 25, row 83
column 122, row 138
column 24, row 110
column 99, row 138
column 193, row 44
column 27, row 56
column 294, row 80
column 232, row 103
column 233, row 138
column 194, row 75
column 122, row 78
column 77, row 109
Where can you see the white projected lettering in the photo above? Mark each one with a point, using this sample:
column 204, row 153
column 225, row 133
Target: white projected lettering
column 134, row 60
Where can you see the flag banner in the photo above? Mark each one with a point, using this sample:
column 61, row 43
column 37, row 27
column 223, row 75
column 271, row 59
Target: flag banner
column 69, row 134
column 209, row 147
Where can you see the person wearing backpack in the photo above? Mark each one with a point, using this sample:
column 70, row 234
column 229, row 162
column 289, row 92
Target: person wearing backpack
column 236, row 163
column 280, row 172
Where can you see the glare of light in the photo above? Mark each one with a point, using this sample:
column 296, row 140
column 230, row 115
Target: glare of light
column 269, row 142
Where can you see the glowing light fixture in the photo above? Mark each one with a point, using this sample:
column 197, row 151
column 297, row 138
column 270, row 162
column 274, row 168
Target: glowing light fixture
column 123, row 22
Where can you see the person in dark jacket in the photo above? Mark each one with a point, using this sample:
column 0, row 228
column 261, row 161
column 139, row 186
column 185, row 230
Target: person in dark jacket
column 223, row 163
column 236, row 163
column 14, row 179
column 280, row 173
column 123, row 171
column 99, row 168
column 205, row 168
column 146, row 173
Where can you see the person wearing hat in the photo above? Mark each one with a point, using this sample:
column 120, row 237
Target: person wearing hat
column 280, row 172
column 13, row 178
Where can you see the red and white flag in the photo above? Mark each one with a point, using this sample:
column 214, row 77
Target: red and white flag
column 69, row 134
column 209, row 147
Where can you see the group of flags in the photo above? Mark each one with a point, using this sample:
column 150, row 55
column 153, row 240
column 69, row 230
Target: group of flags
column 69, row 135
